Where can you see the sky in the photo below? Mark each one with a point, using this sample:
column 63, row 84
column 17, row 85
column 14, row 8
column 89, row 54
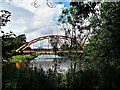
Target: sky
column 31, row 21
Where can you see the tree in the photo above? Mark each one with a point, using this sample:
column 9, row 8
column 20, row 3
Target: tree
column 54, row 40
column 10, row 42
column 106, row 36
column 73, row 22
column 102, row 52
column 4, row 18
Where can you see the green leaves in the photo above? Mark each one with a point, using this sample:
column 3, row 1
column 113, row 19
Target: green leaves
column 22, row 58
column 10, row 43
column 4, row 18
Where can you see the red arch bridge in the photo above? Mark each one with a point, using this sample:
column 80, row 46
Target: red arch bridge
column 59, row 39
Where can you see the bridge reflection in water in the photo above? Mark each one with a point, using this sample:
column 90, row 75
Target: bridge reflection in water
column 49, row 61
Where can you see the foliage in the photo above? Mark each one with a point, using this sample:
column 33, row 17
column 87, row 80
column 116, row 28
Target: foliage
column 10, row 42
column 88, row 78
column 26, row 78
column 104, row 44
column 22, row 58
column 103, row 49
column 73, row 22
column 4, row 18
column 54, row 42
column 100, row 64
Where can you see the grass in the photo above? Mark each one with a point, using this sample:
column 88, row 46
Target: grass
column 22, row 58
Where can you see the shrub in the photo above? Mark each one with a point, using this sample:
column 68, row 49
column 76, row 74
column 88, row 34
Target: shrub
column 22, row 58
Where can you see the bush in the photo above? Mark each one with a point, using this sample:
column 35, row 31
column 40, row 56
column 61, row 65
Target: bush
column 22, row 58
column 29, row 79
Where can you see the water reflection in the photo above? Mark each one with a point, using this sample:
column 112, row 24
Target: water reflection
column 49, row 61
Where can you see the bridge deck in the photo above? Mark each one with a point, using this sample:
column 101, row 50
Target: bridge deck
column 48, row 51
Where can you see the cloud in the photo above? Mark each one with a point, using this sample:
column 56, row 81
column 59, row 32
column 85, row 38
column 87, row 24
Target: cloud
column 18, row 19
column 43, row 21
column 34, row 22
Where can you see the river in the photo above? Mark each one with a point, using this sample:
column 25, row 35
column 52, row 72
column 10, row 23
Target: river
column 49, row 61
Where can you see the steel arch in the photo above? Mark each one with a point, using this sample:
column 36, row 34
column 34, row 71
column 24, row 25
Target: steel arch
column 40, row 39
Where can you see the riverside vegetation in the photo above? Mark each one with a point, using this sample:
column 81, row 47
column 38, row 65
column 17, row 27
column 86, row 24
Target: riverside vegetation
column 100, row 67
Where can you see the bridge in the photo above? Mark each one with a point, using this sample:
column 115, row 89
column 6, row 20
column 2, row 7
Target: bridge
column 48, row 51
column 53, row 40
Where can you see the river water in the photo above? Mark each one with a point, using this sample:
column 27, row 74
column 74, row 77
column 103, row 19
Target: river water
column 49, row 62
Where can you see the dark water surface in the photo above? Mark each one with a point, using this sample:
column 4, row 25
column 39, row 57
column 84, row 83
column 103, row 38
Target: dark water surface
column 49, row 61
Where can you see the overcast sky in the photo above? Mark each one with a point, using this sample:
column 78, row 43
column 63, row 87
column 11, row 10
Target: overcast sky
column 34, row 22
